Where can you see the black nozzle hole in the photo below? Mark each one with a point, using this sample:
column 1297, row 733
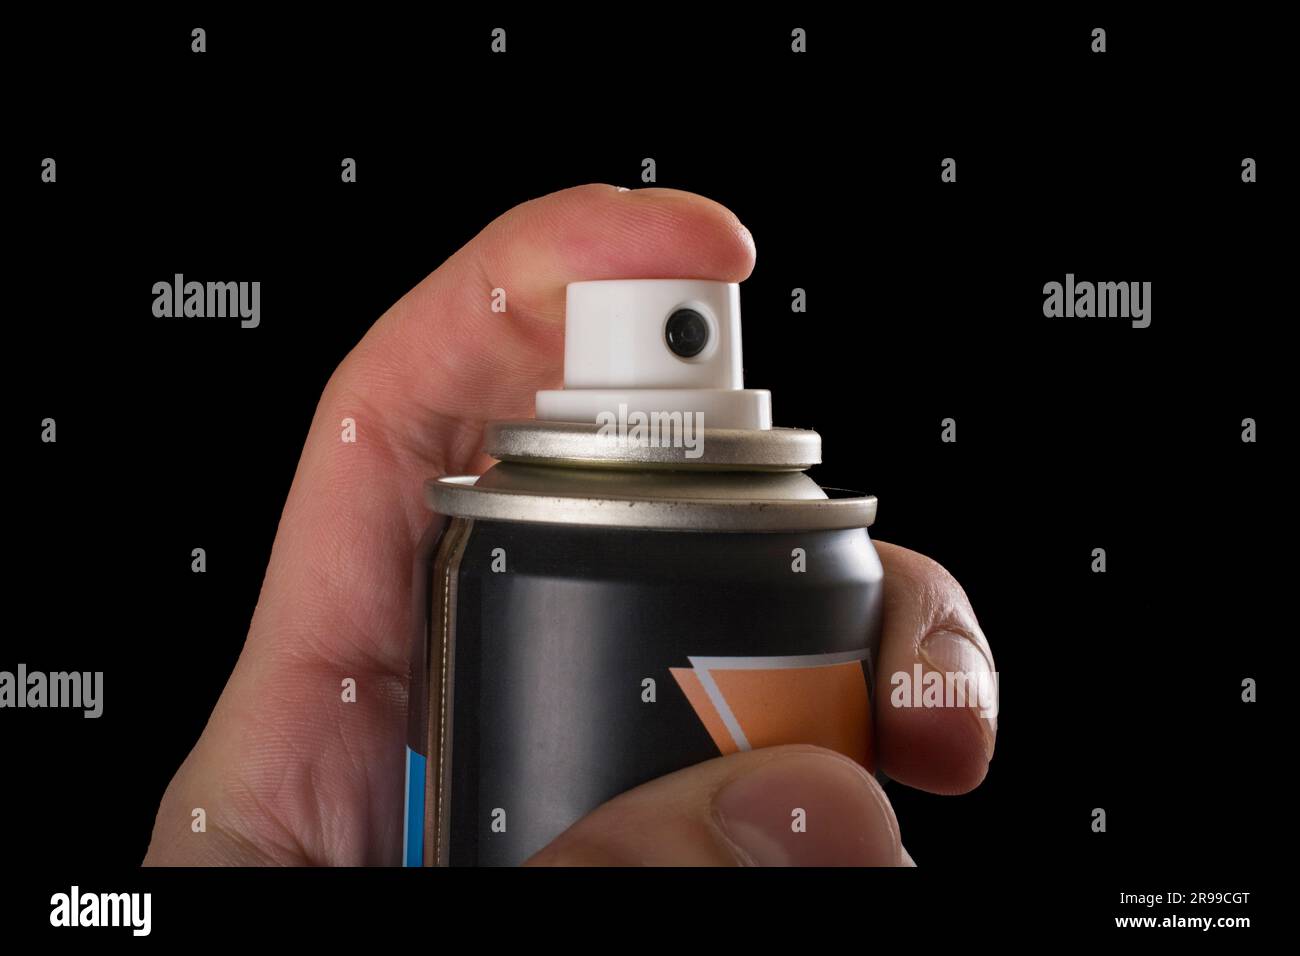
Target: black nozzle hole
column 687, row 333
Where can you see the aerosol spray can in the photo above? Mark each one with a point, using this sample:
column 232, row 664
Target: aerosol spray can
column 645, row 581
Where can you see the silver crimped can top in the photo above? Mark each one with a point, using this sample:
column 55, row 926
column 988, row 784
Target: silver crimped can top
column 654, row 428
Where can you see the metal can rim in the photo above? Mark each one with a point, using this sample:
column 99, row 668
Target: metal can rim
column 541, row 442
column 458, row 496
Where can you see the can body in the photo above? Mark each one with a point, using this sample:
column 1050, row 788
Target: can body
column 560, row 665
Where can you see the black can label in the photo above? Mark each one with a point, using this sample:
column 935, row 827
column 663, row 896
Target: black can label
column 565, row 665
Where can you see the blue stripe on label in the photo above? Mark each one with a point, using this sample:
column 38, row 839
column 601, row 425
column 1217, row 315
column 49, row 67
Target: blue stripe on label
column 414, row 816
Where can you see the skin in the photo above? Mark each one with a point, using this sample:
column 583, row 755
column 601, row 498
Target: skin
column 288, row 776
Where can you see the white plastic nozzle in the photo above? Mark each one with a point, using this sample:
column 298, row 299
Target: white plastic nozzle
column 636, row 344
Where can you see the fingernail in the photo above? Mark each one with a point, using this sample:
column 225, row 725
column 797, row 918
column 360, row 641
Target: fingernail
column 809, row 809
column 952, row 652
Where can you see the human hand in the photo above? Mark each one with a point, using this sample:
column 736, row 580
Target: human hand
column 288, row 776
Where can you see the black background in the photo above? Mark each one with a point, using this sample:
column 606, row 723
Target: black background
column 1119, row 690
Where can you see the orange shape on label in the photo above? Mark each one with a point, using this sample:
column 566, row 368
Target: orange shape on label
column 828, row 706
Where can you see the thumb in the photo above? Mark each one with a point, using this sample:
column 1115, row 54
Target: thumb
column 782, row 806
